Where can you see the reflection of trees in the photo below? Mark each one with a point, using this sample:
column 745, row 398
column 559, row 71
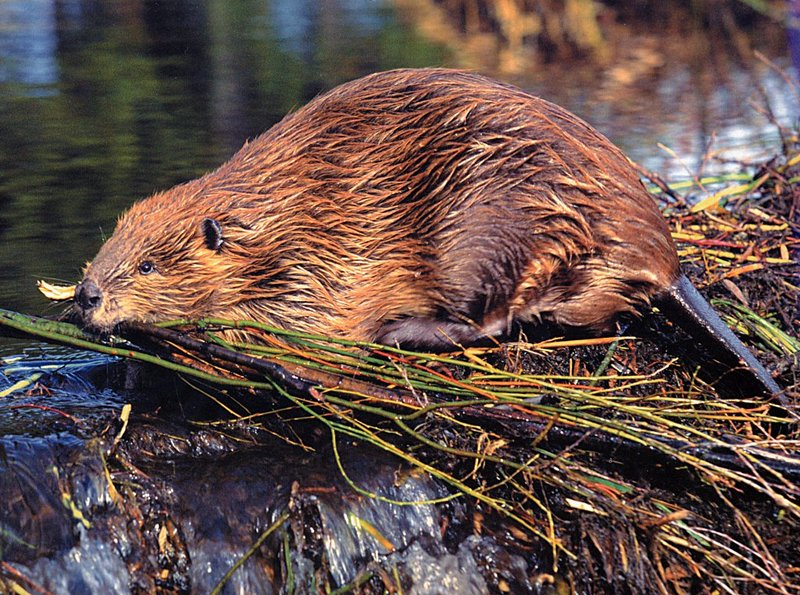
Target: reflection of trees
column 511, row 35
column 558, row 28
column 677, row 72
column 152, row 93
column 112, row 127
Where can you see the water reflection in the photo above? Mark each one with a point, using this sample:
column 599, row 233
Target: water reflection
column 298, row 24
column 793, row 31
column 28, row 43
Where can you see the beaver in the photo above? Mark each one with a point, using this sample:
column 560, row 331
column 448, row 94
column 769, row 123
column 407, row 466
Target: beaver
column 419, row 207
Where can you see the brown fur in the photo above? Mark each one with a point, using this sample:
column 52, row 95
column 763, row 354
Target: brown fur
column 412, row 206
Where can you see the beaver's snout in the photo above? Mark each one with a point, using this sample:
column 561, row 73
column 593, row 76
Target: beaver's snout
column 88, row 295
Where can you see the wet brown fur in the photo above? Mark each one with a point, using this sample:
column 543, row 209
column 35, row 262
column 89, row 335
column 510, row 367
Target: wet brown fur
column 412, row 206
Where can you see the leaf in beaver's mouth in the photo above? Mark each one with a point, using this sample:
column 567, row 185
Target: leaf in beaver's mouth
column 57, row 293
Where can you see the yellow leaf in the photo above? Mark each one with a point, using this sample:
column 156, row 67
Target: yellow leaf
column 57, row 293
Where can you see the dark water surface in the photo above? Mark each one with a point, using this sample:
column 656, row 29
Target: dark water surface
column 102, row 103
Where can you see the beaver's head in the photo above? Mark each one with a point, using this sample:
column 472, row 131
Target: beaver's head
column 164, row 261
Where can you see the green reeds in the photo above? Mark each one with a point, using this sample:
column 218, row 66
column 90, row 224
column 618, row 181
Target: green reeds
column 744, row 320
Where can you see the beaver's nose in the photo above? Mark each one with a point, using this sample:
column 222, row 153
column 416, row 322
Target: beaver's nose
column 88, row 295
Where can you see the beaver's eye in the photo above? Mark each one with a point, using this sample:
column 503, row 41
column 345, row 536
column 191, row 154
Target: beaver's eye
column 146, row 267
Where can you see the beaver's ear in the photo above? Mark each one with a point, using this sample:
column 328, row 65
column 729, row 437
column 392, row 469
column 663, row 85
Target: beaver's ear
column 212, row 233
